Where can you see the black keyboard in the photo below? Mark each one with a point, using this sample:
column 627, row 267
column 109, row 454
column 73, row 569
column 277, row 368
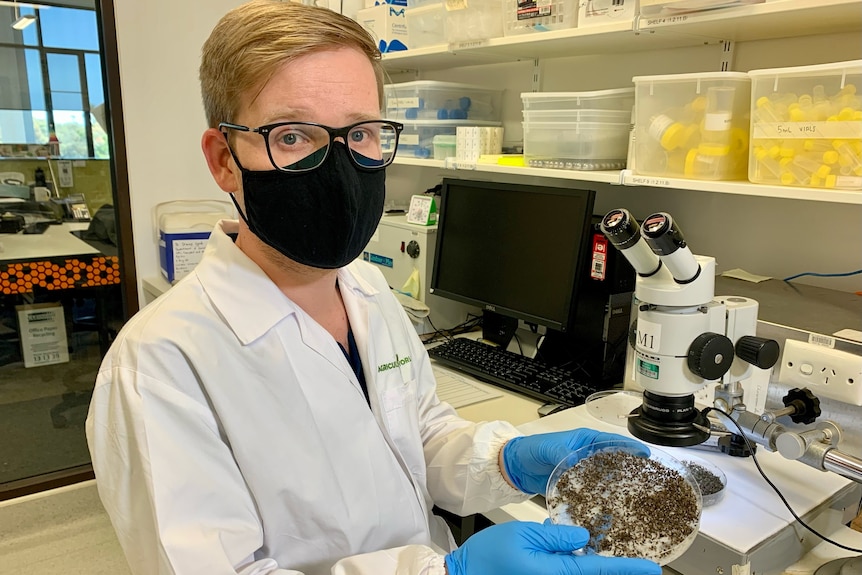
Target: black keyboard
column 503, row 368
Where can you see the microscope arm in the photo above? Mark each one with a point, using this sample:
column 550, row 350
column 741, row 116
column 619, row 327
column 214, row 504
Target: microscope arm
column 814, row 447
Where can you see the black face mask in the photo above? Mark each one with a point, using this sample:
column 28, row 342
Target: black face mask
column 322, row 218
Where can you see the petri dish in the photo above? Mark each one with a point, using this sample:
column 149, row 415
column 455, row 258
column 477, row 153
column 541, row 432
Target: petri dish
column 632, row 504
column 709, row 477
column 613, row 406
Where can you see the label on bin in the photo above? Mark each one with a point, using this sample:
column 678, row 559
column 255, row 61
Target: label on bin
column 833, row 130
column 412, row 102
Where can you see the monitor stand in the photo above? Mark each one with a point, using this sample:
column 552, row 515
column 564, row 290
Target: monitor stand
column 498, row 328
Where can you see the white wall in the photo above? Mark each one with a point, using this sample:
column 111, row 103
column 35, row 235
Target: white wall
column 159, row 45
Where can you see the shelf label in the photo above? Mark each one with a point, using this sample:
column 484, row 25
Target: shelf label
column 666, row 20
column 466, row 44
column 650, row 181
column 409, row 139
column 832, row 130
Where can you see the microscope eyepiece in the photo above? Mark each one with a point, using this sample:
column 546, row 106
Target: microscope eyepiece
column 662, row 234
column 665, row 239
column 623, row 231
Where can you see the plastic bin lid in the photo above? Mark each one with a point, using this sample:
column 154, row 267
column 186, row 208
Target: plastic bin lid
column 558, row 95
column 449, row 123
column 444, row 139
column 438, row 85
column 605, row 115
column 853, row 66
column 693, row 76
column 422, row 8
column 610, row 126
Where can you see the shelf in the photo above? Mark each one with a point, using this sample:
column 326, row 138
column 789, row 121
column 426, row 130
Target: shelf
column 773, row 19
column 853, row 197
column 606, row 177
column 747, row 189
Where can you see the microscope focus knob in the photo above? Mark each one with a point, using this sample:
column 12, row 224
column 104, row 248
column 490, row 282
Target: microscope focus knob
column 758, row 351
column 710, row 355
column 806, row 403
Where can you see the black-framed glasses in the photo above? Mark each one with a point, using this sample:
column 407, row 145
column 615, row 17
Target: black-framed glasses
column 303, row 146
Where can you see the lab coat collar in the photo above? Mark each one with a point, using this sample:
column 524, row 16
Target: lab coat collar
column 247, row 298
column 244, row 295
column 349, row 279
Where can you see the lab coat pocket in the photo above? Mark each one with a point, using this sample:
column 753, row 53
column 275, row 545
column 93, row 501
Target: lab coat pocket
column 401, row 409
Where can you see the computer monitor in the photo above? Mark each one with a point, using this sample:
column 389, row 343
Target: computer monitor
column 512, row 249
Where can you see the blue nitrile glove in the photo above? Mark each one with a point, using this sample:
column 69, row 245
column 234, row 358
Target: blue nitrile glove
column 524, row 548
column 529, row 460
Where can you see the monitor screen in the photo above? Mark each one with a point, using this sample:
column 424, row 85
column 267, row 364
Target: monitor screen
column 512, row 249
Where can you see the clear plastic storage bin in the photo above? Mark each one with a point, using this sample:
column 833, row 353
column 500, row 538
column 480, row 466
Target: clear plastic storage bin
column 525, row 16
column 430, row 100
column 472, row 23
column 617, row 99
column 417, row 138
column 569, row 116
column 664, row 8
column 692, row 125
column 576, row 145
column 426, row 25
column 444, row 146
column 806, row 127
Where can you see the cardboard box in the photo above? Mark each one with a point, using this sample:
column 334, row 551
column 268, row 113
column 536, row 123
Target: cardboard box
column 43, row 334
column 373, row 3
column 387, row 24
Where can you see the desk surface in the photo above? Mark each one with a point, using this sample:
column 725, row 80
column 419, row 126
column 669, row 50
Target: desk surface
column 749, row 512
column 54, row 260
column 56, row 242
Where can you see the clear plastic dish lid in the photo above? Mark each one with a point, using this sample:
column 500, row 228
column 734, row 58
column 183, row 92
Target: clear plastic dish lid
column 632, row 504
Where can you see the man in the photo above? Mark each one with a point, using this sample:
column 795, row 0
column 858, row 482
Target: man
column 275, row 412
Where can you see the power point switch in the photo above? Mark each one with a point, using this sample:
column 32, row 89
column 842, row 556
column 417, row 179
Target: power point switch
column 828, row 373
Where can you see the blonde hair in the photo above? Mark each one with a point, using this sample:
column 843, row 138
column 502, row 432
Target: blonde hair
column 253, row 40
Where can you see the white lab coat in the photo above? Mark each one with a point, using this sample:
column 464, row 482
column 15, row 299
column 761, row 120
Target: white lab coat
column 229, row 434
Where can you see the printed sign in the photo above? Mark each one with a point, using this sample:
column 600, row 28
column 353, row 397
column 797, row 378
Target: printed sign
column 43, row 334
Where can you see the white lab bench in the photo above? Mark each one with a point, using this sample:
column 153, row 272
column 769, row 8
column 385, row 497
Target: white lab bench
column 56, row 241
column 749, row 530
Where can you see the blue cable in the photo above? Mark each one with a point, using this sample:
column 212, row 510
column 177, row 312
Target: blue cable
column 822, row 275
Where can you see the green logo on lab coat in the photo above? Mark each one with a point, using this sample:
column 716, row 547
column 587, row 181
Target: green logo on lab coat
column 393, row 364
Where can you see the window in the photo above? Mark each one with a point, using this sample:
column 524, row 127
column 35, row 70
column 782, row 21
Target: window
column 51, row 81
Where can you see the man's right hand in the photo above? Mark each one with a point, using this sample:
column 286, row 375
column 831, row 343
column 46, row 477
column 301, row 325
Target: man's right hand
column 524, row 548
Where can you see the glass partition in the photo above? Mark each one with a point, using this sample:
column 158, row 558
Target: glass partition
column 64, row 286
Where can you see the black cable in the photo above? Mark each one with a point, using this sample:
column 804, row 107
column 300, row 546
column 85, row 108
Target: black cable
column 464, row 326
column 774, row 488
column 436, row 331
column 518, row 341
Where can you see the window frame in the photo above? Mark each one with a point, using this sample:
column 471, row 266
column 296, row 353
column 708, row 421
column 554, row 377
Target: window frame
column 81, row 55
